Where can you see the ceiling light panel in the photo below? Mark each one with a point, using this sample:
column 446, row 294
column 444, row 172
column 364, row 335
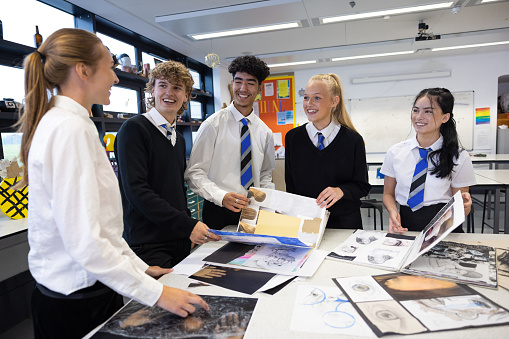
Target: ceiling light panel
column 295, row 63
column 366, row 56
column 247, row 30
column 385, row 12
column 470, row 46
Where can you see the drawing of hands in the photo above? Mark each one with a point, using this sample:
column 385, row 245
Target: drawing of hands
column 210, row 272
column 230, row 326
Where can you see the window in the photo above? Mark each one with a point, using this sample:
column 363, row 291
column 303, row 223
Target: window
column 151, row 59
column 11, row 143
column 123, row 100
column 32, row 13
column 119, row 48
column 12, row 83
column 197, row 79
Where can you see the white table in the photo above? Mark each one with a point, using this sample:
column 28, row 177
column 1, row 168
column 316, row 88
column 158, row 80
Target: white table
column 273, row 314
column 491, row 159
column 502, row 177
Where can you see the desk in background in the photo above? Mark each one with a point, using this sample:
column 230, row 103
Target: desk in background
column 273, row 314
column 491, row 159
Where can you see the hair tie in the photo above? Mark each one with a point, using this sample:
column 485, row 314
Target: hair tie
column 43, row 57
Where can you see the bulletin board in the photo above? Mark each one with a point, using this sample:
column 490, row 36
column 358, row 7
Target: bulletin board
column 276, row 106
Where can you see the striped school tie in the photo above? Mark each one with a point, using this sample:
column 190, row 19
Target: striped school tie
column 169, row 134
column 246, row 170
column 416, row 196
column 321, row 138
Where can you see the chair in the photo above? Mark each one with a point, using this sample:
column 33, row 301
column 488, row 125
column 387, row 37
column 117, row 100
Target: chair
column 487, row 197
column 375, row 205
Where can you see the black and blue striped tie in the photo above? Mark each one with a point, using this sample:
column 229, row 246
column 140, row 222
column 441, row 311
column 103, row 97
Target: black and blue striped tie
column 416, row 196
column 246, row 170
column 321, row 138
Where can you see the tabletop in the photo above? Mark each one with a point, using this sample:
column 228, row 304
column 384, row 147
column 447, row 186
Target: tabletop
column 273, row 314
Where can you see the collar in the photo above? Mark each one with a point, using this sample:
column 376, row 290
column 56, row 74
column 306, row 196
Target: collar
column 70, row 105
column 326, row 132
column 435, row 146
column 159, row 119
column 239, row 116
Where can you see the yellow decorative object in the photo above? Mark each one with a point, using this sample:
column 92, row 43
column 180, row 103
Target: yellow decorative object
column 13, row 203
column 109, row 141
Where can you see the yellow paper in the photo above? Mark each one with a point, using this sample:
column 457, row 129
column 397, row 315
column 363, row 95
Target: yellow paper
column 283, row 89
column 280, row 225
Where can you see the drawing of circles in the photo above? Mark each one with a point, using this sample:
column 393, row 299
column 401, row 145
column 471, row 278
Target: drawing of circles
column 338, row 319
column 313, row 297
column 12, row 202
column 359, row 287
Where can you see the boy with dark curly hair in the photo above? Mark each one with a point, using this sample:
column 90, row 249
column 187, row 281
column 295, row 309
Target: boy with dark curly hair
column 151, row 157
column 233, row 150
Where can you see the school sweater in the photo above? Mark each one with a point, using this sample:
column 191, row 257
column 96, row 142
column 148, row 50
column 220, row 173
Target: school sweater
column 308, row 170
column 151, row 178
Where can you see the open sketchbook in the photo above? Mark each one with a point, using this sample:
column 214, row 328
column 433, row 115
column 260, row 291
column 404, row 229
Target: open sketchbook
column 279, row 218
column 397, row 252
column 406, row 304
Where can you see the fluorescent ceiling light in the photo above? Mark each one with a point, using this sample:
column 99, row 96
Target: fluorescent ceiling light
column 293, row 63
column 470, row 46
column 485, row 1
column 367, row 15
column 371, row 56
column 240, row 31
column 399, row 77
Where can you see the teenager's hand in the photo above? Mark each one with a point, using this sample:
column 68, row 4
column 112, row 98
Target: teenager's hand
column 467, row 201
column 395, row 223
column 201, row 234
column 157, row 272
column 235, row 202
column 329, row 197
column 180, row 302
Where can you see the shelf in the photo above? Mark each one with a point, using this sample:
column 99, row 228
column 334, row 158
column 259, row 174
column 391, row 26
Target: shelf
column 130, row 76
column 201, row 93
column 9, row 116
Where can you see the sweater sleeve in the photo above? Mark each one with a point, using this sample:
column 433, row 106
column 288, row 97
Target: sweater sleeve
column 358, row 186
column 290, row 185
column 132, row 150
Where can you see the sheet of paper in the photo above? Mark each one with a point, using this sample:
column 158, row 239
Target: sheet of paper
column 269, row 89
column 193, row 262
column 320, row 309
column 277, row 224
column 278, row 139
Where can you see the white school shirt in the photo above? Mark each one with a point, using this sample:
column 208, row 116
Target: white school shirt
column 75, row 211
column 400, row 161
column 214, row 165
column 157, row 120
column 329, row 133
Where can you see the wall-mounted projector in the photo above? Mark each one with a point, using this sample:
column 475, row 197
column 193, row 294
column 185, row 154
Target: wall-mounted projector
column 423, row 35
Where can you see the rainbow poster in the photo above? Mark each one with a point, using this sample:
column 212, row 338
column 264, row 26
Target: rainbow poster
column 482, row 116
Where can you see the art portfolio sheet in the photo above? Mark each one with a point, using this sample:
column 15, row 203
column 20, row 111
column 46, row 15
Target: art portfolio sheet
column 406, row 304
column 227, row 317
column 275, row 217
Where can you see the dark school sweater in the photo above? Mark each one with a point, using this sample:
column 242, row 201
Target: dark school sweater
column 151, row 178
column 308, row 170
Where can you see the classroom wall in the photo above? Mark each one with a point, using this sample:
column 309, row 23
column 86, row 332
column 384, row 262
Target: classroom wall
column 477, row 72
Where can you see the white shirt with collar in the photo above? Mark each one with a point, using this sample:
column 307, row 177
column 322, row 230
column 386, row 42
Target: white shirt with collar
column 214, row 165
column 158, row 120
column 400, row 161
column 75, row 214
column 329, row 133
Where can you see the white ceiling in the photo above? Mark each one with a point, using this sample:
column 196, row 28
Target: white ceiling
column 169, row 22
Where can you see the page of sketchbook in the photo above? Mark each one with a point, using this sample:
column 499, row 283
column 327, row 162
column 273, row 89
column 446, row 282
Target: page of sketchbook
column 277, row 217
column 406, row 304
column 394, row 251
column 464, row 263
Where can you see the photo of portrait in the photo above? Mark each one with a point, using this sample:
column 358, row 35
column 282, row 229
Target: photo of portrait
column 406, row 287
column 228, row 317
column 456, row 312
column 390, row 317
column 438, row 228
column 503, row 267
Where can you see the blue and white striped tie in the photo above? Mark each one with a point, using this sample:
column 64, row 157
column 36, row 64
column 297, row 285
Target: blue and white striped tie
column 246, row 170
column 169, row 134
column 416, row 196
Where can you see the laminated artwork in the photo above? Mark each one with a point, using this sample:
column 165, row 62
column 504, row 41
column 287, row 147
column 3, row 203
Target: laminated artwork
column 424, row 254
column 279, row 218
column 407, row 304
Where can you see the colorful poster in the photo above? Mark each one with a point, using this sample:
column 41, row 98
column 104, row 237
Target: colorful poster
column 281, row 118
column 482, row 116
column 283, row 89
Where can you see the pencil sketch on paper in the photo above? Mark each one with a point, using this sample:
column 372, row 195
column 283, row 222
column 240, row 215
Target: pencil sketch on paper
column 473, row 264
column 362, row 289
column 326, row 310
column 503, row 267
column 379, row 256
column 390, row 317
column 456, row 312
column 228, row 316
column 280, row 258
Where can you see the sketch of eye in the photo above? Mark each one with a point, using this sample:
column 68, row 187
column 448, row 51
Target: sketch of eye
column 481, row 303
column 386, row 315
column 315, row 296
column 338, row 319
column 361, row 287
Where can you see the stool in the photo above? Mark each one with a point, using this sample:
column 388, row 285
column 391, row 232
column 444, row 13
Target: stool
column 375, row 205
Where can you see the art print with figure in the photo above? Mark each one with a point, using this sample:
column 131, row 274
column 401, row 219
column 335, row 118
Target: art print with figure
column 407, row 304
column 228, row 317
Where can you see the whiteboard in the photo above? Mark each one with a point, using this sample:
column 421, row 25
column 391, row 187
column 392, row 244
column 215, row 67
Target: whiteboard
column 383, row 122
